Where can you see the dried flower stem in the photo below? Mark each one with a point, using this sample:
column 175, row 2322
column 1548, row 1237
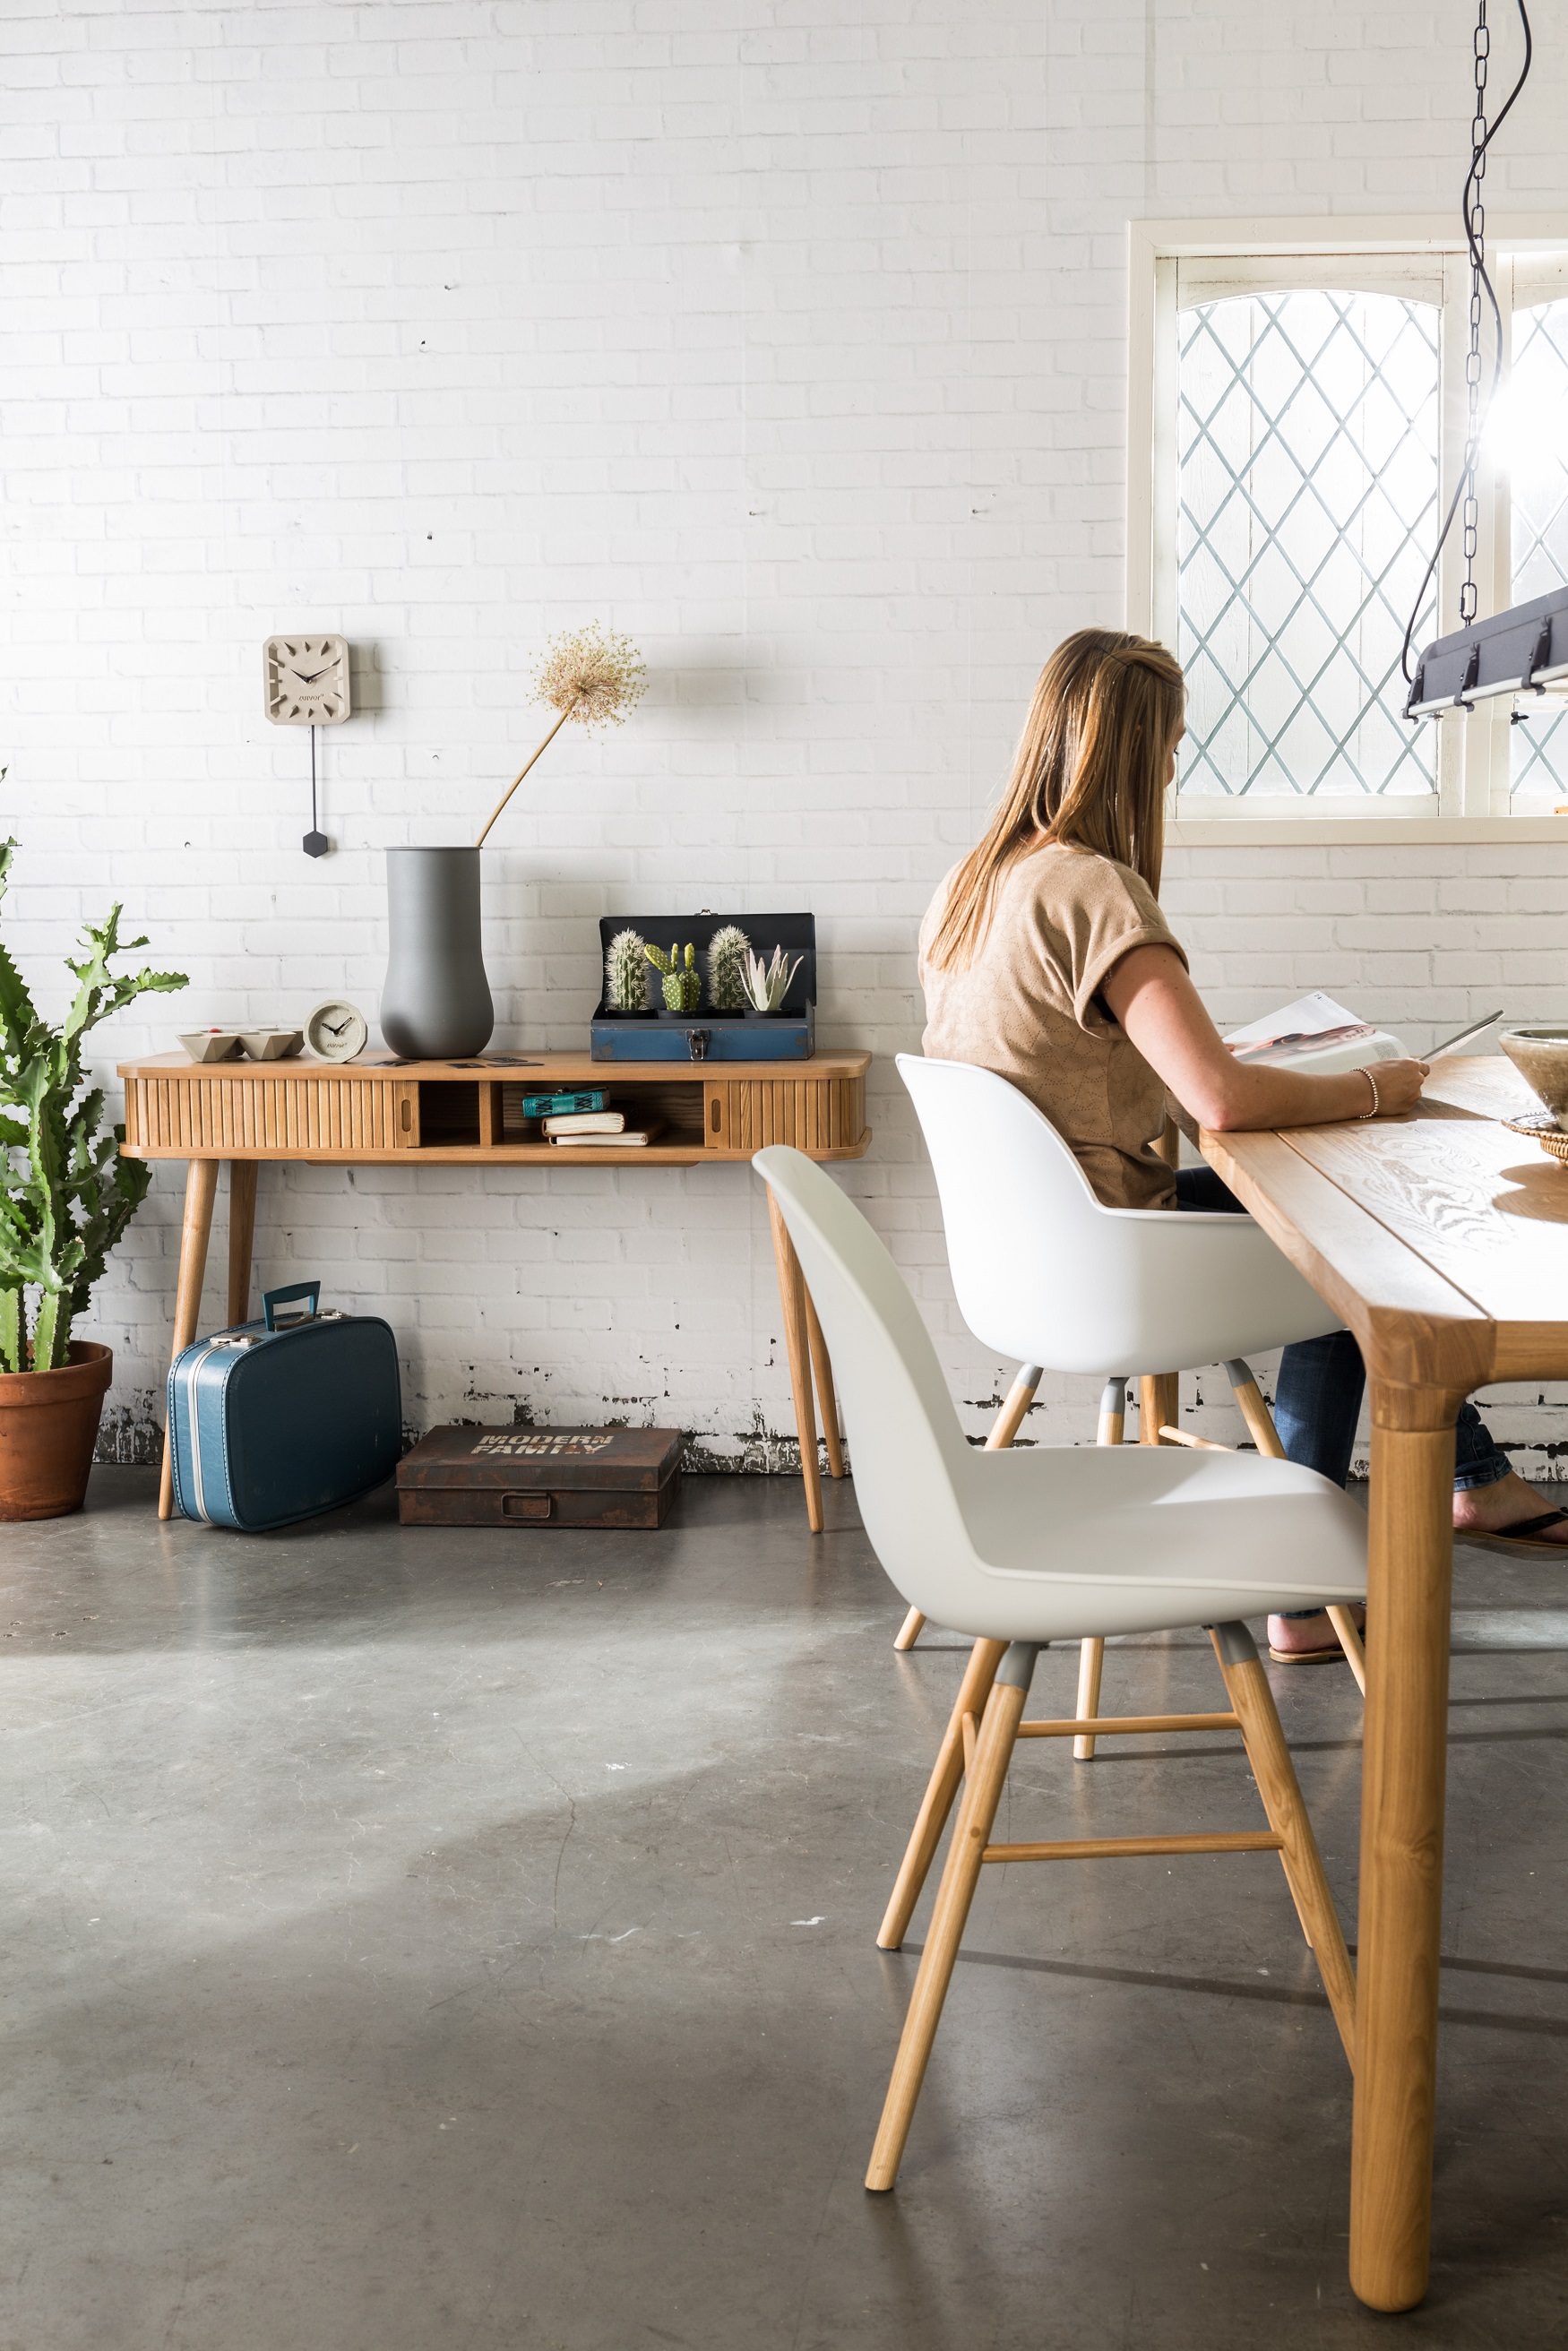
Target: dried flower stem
column 522, row 771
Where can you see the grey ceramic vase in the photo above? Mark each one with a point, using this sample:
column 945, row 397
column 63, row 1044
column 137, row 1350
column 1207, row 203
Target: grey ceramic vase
column 436, row 999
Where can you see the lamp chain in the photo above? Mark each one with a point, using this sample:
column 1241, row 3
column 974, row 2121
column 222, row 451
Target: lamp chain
column 1476, row 225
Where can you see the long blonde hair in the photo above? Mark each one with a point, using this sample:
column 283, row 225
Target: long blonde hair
column 1090, row 769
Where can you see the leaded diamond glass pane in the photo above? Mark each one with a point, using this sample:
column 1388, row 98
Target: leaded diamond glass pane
column 1307, row 447
column 1537, row 458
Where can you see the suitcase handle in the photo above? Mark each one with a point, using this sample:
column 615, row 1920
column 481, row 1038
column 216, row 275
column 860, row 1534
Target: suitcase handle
column 527, row 1506
column 273, row 1299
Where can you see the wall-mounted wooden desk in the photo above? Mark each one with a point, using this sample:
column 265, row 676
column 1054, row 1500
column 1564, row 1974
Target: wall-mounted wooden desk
column 379, row 1110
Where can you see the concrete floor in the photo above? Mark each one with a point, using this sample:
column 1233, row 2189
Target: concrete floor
column 425, row 1939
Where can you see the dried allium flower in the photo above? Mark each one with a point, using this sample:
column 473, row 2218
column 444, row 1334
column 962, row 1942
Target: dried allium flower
column 591, row 676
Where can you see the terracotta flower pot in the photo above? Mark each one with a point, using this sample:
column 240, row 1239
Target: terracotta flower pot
column 48, row 1427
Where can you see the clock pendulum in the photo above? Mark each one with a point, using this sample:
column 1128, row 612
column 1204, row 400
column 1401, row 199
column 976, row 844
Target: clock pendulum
column 315, row 843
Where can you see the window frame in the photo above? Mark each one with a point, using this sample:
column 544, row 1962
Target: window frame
column 1472, row 801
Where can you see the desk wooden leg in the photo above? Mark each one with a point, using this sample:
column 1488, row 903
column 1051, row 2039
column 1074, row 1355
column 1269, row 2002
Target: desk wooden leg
column 1409, row 1575
column 821, row 1363
column 792, row 1296
column 242, row 1235
column 201, row 1190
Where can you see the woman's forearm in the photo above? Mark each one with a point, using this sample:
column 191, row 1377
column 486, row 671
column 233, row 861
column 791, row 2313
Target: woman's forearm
column 1240, row 1096
column 1157, row 1005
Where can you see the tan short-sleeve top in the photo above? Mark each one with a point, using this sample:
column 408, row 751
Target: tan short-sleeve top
column 1061, row 920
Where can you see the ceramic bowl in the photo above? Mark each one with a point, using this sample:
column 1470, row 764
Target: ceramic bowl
column 210, row 1044
column 1540, row 1057
column 272, row 1044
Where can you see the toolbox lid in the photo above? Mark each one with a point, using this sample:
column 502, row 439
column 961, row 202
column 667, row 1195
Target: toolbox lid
column 530, row 1459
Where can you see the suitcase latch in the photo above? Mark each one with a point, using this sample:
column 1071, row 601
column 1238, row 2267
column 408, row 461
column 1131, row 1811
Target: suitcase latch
column 527, row 1506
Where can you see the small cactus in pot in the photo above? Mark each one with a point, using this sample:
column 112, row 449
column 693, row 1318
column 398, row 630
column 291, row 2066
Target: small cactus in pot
column 682, row 980
column 727, row 951
column 626, row 972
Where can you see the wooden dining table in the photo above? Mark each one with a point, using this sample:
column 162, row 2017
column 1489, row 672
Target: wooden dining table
column 1441, row 1240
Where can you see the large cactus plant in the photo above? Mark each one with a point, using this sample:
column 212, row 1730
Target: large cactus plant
column 727, row 953
column 626, row 972
column 66, row 1194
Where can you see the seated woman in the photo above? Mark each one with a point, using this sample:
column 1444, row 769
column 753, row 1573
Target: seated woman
column 1044, row 957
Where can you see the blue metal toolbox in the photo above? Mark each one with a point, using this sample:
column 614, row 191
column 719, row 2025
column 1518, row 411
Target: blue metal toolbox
column 788, row 1035
column 284, row 1418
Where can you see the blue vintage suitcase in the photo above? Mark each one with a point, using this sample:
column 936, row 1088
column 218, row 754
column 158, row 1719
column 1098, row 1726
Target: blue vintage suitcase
column 280, row 1419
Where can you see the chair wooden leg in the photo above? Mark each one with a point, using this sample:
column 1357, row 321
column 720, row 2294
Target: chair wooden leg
column 1159, row 1400
column 1254, row 1411
column 792, row 1298
column 909, row 1632
column 1090, row 1666
column 1344, row 1625
column 1265, row 1438
column 998, row 1730
column 821, row 1363
column 943, row 1786
column 201, row 1190
column 1091, row 1653
column 1270, row 1757
column 1020, row 1397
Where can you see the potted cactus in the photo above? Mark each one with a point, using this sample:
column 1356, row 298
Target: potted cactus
column 626, row 974
column 65, row 1197
column 727, row 953
column 682, row 986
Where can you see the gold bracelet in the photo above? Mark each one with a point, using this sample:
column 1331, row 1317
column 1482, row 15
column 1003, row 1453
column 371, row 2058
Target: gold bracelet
column 1377, row 1105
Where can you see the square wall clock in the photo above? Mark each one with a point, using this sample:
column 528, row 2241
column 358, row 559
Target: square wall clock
column 306, row 679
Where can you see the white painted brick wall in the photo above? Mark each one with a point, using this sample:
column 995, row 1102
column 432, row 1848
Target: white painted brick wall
column 790, row 338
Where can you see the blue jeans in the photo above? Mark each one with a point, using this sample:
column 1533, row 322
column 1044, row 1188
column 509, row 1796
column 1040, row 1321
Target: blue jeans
column 1317, row 1397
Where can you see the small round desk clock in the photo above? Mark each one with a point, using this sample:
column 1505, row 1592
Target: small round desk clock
column 337, row 1030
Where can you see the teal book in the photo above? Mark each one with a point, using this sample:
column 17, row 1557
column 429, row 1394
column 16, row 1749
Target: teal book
column 565, row 1105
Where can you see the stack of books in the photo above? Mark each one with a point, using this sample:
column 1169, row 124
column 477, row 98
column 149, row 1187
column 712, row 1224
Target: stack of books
column 582, row 1117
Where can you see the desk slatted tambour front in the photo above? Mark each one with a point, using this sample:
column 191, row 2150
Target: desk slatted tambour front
column 453, row 1112
column 469, row 1113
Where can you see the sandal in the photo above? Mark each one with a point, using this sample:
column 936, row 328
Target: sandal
column 1517, row 1539
column 1311, row 1640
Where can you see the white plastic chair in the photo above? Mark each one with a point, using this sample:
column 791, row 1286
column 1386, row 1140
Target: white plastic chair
column 1018, row 1549
column 1044, row 1271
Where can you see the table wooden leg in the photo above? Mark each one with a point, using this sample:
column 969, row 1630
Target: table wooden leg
column 242, row 1235
column 792, row 1297
column 1409, row 1575
column 821, row 1363
column 201, row 1189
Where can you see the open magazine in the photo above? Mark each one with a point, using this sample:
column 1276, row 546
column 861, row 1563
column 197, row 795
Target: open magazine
column 1314, row 1033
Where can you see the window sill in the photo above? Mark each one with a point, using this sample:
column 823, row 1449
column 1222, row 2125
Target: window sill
column 1287, row 829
